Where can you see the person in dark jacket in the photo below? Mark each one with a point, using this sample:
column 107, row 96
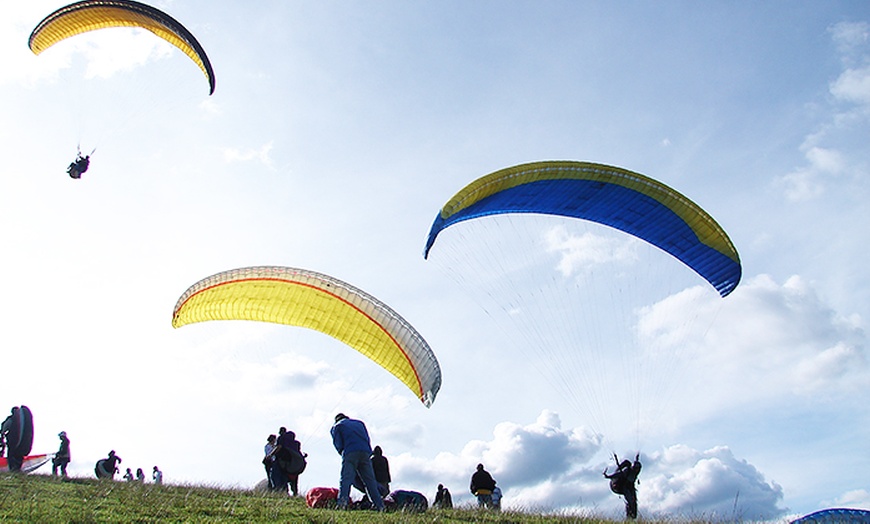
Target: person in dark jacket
column 351, row 440
column 62, row 457
column 381, row 467
column 443, row 500
column 290, row 460
column 481, row 486
column 623, row 480
column 107, row 467
column 78, row 166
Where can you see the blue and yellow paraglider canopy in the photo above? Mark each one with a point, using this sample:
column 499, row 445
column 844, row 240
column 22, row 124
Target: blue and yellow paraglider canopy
column 615, row 197
column 835, row 515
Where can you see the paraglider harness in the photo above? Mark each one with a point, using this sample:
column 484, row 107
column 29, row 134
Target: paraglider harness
column 291, row 462
column 79, row 165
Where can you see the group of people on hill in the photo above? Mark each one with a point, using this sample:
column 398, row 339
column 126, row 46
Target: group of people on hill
column 106, row 468
column 368, row 470
column 284, row 461
column 363, row 467
column 16, row 437
column 156, row 476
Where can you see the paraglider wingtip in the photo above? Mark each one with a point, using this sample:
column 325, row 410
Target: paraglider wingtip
column 427, row 399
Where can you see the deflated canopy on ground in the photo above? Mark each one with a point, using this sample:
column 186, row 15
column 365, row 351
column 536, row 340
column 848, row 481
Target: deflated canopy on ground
column 615, row 197
column 298, row 297
column 30, row 463
column 90, row 15
column 835, row 515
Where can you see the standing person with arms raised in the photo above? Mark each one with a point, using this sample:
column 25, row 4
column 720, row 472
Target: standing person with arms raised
column 623, row 482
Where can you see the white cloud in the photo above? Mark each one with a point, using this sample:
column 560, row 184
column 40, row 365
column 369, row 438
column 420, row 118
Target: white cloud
column 261, row 154
column 541, row 466
column 853, row 85
column 769, row 341
column 117, row 50
column 105, row 52
column 579, row 253
column 809, row 181
column 713, row 484
column 858, row 498
column 850, row 108
column 850, row 36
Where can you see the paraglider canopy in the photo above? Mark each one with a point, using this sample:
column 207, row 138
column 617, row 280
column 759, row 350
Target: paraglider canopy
column 299, row 297
column 597, row 269
column 838, row 515
column 91, row 15
column 628, row 201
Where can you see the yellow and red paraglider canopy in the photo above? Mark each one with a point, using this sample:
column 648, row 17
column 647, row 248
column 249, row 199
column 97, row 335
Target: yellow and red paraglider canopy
column 298, row 297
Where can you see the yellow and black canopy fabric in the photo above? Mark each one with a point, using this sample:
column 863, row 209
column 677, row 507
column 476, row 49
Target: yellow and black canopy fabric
column 91, row 15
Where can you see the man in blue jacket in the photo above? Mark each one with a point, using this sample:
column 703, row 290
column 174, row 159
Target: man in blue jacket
column 351, row 439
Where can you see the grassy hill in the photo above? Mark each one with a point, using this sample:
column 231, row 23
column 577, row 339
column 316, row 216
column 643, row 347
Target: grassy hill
column 46, row 499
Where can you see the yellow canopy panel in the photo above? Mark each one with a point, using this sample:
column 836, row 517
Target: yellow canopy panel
column 298, row 297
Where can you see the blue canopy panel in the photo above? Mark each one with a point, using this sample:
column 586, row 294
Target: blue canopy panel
column 634, row 210
column 836, row 515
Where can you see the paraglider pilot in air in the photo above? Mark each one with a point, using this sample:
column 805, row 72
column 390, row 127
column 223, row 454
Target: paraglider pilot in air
column 622, row 482
column 79, row 166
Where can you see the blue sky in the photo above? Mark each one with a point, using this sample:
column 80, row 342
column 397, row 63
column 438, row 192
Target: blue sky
column 336, row 132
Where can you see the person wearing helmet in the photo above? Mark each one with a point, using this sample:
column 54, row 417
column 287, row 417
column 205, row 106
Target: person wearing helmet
column 61, row 458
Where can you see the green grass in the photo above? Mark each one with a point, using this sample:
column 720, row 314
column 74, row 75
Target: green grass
column 42, row 498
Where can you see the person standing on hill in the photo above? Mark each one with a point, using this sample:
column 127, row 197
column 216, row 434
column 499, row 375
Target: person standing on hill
column 481, row 487
column 351, row 440
column 623, row 482
column 443, row 500
column 107, row 467
column 290, row 460
column 269, row 459
column 62, row 457
column 381, row 467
